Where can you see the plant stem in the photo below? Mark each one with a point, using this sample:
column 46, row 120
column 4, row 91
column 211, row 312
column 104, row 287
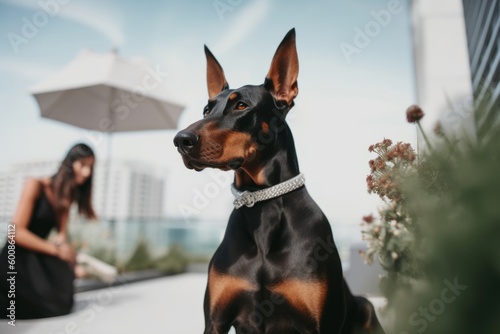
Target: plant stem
column 424, row 135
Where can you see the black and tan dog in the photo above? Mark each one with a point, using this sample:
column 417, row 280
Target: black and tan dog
column 277, row 269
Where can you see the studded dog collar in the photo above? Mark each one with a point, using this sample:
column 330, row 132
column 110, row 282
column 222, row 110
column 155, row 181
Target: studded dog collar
column 249, row 198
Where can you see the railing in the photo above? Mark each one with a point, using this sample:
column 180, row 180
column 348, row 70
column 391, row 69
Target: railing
column 199, row 238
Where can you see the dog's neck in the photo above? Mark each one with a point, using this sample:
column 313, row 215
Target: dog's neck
column 280, row 164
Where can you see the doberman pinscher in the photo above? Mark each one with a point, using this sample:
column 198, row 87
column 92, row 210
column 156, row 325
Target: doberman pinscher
column 277, row 269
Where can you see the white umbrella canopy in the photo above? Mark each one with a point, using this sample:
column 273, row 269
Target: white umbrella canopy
column 104, row 92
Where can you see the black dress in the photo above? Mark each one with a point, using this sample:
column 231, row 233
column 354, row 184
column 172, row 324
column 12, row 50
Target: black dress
column 43, row 283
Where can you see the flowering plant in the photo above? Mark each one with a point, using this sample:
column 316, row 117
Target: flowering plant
column 438, row 229
column 387, row 235
column 393, row 236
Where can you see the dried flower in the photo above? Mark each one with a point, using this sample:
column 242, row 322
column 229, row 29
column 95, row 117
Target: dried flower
column 392, row 154
column 371, row 163
column 369, row 183
column 438, row 129
column 391, row 163
column 414, row 114
column 386, row 236
column 368, row 219
column 379, row 164
column 387, row 142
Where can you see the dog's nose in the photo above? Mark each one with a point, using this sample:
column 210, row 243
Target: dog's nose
column 185, row 141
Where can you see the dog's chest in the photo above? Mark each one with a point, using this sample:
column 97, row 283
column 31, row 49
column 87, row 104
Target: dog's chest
column 251, row 298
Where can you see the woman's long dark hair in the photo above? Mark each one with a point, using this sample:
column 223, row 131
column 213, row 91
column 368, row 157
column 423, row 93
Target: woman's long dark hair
column 66, row 189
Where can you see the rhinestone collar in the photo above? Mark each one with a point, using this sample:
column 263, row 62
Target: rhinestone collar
column 249, row 198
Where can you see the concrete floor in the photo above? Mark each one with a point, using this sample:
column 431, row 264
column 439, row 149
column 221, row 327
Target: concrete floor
column 168, row 305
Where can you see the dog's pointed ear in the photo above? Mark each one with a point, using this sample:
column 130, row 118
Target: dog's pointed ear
column 281, row 80
column 216, row 81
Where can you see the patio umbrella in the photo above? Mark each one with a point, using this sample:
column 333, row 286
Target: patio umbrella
column 107, row 93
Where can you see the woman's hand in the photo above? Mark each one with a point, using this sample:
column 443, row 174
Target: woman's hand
column 65, row 252
column 60, row 239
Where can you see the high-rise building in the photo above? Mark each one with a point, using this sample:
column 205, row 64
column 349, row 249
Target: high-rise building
column 12, row 181
column 125, row 190
column 442, row 71
column 128, row 190
column 482, row 22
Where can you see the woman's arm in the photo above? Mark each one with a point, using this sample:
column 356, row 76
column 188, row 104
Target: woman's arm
column 23, row 236
column 66, row 252
column 62, row 234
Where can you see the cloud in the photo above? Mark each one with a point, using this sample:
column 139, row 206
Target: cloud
column 243, row 22
column 97, row 17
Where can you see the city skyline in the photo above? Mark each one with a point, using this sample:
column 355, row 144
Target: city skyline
column 123, row 190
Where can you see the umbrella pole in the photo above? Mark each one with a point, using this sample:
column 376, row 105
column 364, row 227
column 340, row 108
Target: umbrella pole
column 107, row 170
column 109, row 217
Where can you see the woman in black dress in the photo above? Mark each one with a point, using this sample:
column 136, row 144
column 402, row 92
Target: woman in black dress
column 43, row 271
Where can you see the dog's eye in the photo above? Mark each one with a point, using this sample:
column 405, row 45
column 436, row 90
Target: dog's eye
column 206, row 111
column 240, row 106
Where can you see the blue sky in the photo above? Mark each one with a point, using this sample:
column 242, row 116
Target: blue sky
column 342, row 107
